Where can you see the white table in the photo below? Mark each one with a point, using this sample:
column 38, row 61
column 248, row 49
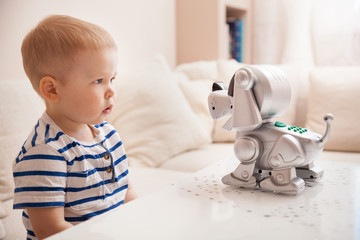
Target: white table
column 201, row 207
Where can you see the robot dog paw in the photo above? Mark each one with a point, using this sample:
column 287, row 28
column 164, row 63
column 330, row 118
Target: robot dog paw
column 294, row 187
column 231, row 180
column 312, row 175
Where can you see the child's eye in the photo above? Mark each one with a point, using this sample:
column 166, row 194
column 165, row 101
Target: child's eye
column 112, row 79
column 98, row 81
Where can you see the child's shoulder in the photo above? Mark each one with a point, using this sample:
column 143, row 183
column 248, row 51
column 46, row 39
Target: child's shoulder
column 46, row 134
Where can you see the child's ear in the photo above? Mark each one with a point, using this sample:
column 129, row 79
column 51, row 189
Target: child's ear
column 48, row 89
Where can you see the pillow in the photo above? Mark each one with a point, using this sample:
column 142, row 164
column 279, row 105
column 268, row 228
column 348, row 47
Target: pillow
column 219, row 134
column 3, row 211
column 197, row 88
column 196, row 93
column 2, row 230
column 199, row 70
column 20, row 108
column 3, row 214
column 336, row 90
column 153, row 117
column 9, row 148
column 226, row 69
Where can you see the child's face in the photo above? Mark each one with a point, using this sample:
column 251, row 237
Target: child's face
column 86, row 92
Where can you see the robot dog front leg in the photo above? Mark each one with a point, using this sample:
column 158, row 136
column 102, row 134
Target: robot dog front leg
column 286, row 154
column 247, row 151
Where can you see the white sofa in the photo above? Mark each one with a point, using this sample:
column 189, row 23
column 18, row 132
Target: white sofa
column 162, row 117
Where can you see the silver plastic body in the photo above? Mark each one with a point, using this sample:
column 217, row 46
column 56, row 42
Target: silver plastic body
column 273, row 156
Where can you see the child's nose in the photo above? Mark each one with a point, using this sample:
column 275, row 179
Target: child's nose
column 110, row 92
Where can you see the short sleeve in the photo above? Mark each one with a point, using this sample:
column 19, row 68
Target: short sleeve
column 40, row 178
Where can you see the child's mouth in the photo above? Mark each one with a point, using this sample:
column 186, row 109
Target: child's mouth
column 108, row 110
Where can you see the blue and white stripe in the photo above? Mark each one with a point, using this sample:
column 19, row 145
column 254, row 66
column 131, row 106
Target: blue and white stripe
column 55, row 170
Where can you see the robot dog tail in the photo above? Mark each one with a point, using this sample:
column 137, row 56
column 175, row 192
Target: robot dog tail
column 328, row 118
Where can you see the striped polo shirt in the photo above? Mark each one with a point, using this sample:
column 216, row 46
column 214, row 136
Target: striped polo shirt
column 55, row 170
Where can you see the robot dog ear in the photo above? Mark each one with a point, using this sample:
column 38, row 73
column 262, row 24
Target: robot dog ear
column 231, row 87
column 217, row 86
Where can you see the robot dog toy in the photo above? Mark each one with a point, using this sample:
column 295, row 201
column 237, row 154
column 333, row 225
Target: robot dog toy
column 273, row 156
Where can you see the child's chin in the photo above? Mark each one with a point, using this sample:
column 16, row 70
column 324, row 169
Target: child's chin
column 98, row 121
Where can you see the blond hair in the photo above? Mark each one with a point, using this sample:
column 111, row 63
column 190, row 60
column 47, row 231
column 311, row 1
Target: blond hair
column 53, row 43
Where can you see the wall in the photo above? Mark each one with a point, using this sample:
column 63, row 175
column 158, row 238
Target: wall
column 141, row 28
column 307, row 32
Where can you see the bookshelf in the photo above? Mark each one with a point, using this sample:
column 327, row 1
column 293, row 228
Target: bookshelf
column 202, row 29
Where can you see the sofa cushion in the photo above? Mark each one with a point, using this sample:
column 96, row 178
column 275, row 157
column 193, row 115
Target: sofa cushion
column 9, row 148
column 336, row 90
column 13, row 224
column 153, row 117
column 226, row 69
column 200, row 76
column 199, row 70
column 196, row 93
column 20, row 109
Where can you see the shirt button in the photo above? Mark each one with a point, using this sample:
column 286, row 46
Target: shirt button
column 106, row 156
column 108, row 170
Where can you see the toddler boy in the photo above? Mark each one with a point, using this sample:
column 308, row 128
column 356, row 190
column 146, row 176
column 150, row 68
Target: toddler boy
column 73, row 165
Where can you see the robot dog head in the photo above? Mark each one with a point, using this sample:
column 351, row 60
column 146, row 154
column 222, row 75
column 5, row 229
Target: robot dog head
column 219, row 102
column 271, row 89
column 259, row 92
column 255, row 93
